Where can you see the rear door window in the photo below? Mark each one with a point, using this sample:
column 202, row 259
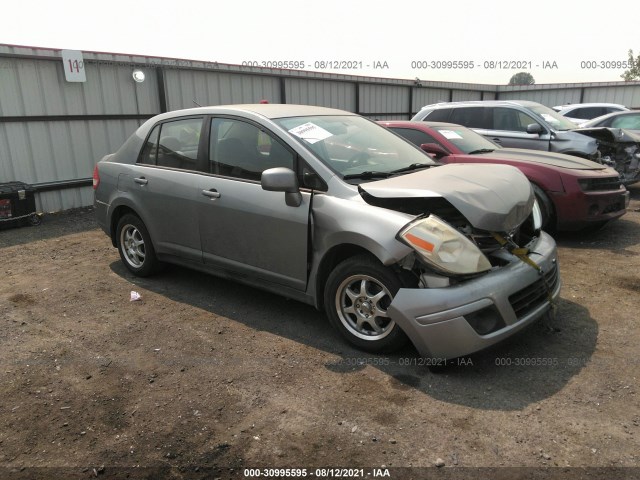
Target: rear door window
column 472, row 117
column 173, row 144
column 587, row 113
column 178, row 145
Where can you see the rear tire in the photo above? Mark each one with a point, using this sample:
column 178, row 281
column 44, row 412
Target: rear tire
column 357, row 295
column 135, row 247
column 35, row 219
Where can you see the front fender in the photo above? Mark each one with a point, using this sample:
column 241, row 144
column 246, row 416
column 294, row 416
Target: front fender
column 339, row 221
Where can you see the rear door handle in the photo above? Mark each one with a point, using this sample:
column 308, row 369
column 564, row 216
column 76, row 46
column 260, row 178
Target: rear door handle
column 141, row 181
column 212, row 193
column 496, row 140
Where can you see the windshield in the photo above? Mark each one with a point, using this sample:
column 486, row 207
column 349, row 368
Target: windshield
column 351, row 145
column 466, row 140
column 553, row 118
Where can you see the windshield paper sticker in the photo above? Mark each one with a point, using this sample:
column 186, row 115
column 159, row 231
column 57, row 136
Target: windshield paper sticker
column 450, row 135
column 310, row 132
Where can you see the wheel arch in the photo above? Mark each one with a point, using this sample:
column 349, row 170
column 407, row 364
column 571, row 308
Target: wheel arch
column 547, row 203
column 329, row 261
column 119, row 212
column 337, row 254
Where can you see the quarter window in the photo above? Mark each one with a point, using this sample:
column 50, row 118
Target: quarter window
column 150, row 150
column 240, row 149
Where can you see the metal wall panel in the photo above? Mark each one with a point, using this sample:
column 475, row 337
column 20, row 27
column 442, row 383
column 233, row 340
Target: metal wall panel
column 110, row 90
column 212, row 88
column 38, row 87
column 324, row 93
column 628, row 96
column 40, row 152
column 428, row 96
column 546, row 97
column 465, row 96
column 64, row 199
column 383, row 99
column 488, row 95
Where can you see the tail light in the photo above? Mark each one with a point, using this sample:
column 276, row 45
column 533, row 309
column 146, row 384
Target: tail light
column 96, row 177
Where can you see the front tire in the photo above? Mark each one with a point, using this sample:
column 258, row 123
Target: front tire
column 135, row 247
column 357, row 295
column 546, row 207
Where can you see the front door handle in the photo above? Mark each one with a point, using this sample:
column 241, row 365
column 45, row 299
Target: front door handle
column 141, row 181
column 496, row 140
column 212, row 193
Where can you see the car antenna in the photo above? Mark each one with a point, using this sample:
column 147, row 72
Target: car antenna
column 196, row 103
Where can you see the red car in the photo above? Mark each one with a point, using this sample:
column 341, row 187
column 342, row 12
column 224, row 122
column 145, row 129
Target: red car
column 573, row 193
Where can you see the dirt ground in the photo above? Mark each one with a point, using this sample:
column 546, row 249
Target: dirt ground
column 204, row 378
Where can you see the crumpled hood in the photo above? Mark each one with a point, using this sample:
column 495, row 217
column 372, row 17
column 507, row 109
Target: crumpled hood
column 538, row 156
column 491, row 197
column 605, row 134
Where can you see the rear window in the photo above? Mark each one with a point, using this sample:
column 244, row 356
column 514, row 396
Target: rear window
column 440, row 115
column 417, row 137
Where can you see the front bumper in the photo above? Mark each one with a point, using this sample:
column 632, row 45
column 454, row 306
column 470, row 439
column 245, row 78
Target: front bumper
column 578, row 210
column 437, row 319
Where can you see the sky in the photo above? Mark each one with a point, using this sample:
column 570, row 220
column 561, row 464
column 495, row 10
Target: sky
column 557, row 41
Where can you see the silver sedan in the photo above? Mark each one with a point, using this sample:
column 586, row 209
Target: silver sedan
column 329, row 208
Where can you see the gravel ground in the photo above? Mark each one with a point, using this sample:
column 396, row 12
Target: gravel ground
column 203, row 378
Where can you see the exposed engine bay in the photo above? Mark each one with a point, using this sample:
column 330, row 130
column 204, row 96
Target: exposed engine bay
column 619, row 149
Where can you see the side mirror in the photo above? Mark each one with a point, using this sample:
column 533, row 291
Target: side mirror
column 434, row 149
column 534, row 128
column 281, row 179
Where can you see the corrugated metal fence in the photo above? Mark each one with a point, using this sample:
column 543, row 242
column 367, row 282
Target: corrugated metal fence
column 52, row 131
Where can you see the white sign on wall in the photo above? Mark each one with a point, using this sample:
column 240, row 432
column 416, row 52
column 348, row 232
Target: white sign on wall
column 73, row 65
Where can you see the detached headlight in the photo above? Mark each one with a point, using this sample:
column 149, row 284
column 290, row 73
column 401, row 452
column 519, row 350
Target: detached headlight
column 443, row 247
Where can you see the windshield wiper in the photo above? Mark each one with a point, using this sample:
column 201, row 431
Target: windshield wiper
column 481, row 150
column 367, row 174
column 413, row 166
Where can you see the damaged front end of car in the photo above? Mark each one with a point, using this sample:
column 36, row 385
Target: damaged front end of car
column 619, row 149
column 483, row 266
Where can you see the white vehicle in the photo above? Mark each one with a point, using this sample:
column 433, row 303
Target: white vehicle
column 580, row 113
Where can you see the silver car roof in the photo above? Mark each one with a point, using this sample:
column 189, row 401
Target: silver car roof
column 486, row 103
column 268, row 110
